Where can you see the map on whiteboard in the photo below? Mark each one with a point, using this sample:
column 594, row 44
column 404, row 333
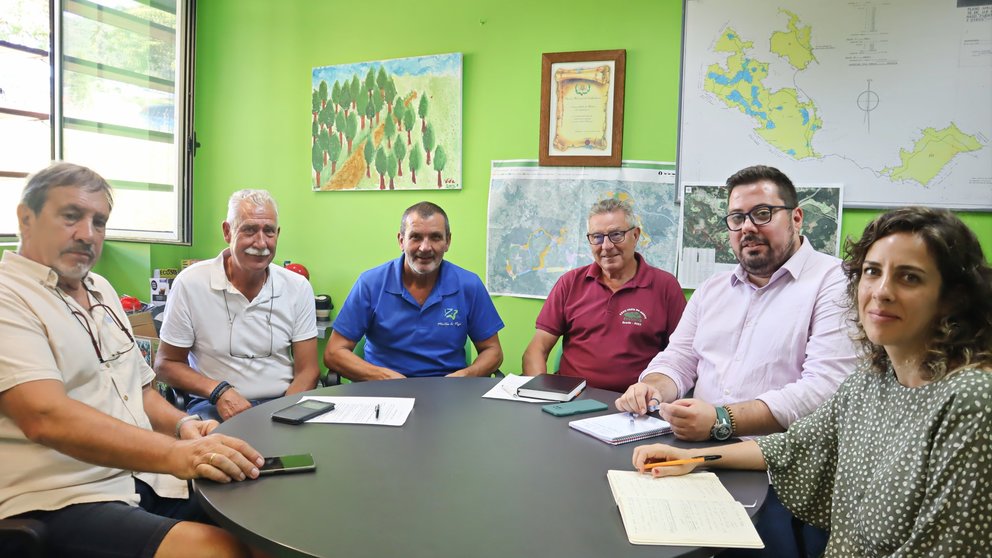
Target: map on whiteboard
column 705, row 241
column 537, row 219
column 889, row 98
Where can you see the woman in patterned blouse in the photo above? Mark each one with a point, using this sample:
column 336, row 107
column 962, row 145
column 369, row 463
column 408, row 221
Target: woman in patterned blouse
column 899, row 461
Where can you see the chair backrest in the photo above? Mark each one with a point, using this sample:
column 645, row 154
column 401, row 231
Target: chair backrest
column 332, row 378
column 469, row 351
column 555, row 358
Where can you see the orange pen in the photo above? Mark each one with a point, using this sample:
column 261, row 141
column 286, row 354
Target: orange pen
column 699, row 459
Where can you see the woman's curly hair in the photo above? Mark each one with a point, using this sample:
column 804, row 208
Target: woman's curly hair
column 962, row 336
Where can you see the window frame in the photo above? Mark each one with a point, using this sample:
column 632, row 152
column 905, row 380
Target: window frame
column 184, row 137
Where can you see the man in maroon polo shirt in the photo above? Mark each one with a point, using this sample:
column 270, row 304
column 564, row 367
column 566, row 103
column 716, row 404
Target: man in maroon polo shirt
column 615, row 314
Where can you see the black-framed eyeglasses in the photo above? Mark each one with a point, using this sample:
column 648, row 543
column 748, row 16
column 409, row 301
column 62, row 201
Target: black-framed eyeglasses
column 230, row 322
column 616, row 237
column 759, row 215
column 89, row 331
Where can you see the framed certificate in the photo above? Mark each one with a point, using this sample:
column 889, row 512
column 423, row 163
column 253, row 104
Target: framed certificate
column 582, row 108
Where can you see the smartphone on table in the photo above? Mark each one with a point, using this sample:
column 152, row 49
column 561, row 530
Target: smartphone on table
column 575, row 407
column 287, row 464
column 300, row 412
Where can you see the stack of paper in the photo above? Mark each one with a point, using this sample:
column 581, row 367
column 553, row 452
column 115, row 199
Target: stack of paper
column 691, row 510
column 620, row 428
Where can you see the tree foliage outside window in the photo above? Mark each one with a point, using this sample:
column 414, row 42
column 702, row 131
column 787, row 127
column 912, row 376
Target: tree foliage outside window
column 119, row 104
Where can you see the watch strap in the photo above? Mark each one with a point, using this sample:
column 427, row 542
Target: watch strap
column 733, row 420
column 722, row 420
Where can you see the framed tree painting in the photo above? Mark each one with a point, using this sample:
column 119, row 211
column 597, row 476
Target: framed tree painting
column 387, row 125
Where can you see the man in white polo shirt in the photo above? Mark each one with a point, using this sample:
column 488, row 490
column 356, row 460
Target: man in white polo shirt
column 82, row 431
column 238, row 330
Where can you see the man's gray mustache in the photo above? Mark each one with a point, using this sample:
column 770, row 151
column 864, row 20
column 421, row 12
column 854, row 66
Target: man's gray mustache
column 257, row 252
column 81, row 249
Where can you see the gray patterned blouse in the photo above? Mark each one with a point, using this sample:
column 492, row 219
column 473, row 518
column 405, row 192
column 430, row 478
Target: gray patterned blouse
column 891, row 470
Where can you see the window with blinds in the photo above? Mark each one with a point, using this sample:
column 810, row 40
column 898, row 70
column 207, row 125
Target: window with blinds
column 106, row 84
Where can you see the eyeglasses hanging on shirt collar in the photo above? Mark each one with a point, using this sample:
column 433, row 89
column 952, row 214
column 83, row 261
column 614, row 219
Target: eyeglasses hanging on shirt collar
column 89, row 331
column 232, row 317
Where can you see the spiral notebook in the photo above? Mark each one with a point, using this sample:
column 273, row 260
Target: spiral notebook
column 620, row 428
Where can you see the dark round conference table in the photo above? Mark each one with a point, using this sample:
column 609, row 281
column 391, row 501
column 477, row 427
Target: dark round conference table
column 464, row 477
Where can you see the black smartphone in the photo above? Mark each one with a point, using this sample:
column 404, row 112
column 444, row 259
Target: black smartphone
column 300, row 412
column 287, row 464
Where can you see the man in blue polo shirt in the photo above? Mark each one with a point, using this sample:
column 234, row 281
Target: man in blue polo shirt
column 416, row 311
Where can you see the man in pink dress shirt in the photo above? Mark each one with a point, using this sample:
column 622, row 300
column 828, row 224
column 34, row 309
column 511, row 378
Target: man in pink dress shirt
column 761, row 346
column 766, row 342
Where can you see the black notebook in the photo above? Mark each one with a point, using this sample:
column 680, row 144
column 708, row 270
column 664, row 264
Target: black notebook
column 552, row 387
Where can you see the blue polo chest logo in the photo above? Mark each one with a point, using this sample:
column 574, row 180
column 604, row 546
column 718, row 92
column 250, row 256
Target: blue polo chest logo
column 450, row 318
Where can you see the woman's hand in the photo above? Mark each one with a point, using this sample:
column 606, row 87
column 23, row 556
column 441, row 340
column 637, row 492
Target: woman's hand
column 645, row 455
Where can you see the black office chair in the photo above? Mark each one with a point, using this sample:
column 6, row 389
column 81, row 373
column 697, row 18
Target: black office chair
column 22, row 537
column 330, row 378
column 176, row 397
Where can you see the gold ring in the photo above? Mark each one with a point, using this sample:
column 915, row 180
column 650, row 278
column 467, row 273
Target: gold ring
column 211, row 460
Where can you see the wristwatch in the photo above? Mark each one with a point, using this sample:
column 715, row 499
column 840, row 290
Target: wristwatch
column 723, row 428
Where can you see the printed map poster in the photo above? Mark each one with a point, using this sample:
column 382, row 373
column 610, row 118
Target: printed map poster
column 890, row 98
column 538, row 219
column 387, row 125
column 704, row 242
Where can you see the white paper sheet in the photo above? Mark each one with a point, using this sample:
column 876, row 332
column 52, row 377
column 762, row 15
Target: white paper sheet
column 506, row 389
column 393, row 411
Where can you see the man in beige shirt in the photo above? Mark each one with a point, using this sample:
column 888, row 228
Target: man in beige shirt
column 84, row 438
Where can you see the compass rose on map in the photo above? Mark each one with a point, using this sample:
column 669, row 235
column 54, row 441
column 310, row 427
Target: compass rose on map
column 867, row 102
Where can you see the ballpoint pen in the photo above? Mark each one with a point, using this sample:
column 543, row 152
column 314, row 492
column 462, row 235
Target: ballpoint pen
column 699, row 459
column 651, row 409
column 376, row 411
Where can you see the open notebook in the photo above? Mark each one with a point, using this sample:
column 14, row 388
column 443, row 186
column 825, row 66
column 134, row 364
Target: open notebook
column 691, row 510
column 620, row 428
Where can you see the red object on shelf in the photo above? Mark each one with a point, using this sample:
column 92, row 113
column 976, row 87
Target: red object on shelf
column 130, row 303
column 299, row 268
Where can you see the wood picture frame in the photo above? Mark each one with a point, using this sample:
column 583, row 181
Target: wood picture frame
column 582, row 108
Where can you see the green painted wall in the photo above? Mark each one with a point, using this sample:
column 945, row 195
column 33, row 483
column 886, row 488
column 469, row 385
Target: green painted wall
column 254, row 59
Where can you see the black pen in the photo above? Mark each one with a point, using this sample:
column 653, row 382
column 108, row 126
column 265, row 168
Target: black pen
column 376, row 411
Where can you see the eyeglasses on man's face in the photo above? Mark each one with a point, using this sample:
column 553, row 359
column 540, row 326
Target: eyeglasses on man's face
column 89, row 331
column 759, row 215
column 616, row 237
